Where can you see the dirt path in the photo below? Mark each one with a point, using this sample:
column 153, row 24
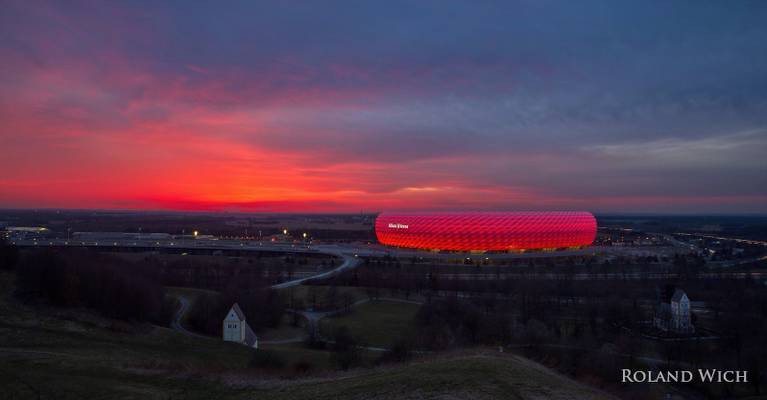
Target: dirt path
column 176, row 325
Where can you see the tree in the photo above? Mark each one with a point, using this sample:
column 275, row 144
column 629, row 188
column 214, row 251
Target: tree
column 348, row 301
column 400, row 351
column 313, row 296
column 344, row 351
column 102, row 282
column 206, row 314
column 331, row 297
column 755, row 369
column 266, row 359
column 9, row 255
column 537, row 333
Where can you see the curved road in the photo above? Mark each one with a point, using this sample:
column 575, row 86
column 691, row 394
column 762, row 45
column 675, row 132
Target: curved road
column 348, row 263
column 175, row 324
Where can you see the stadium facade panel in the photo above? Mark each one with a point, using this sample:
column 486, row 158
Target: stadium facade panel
column 486, row 231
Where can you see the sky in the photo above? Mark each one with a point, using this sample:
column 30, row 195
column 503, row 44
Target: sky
column 348, row 106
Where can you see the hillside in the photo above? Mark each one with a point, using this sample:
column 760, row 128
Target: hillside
column 468, row 375
column 49, row 353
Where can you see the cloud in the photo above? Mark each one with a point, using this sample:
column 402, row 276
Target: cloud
column 736, row 150
column 397, row 105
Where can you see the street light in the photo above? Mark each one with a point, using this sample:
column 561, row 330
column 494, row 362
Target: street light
column 195, row 233
column 285, row 231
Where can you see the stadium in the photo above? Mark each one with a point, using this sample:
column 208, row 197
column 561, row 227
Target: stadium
column 486, row 231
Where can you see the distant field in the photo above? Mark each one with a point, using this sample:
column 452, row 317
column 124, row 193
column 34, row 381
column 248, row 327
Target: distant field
column 377, row 323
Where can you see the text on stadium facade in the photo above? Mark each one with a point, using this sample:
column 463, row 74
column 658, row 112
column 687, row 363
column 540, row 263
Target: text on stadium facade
column 398, row 226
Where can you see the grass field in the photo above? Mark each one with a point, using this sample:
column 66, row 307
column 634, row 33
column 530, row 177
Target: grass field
column 377, row 323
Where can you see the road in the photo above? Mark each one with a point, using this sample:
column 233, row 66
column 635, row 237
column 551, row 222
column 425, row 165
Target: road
column 349, row 262
column 351, row 249
column 175, row 324
column 738, row 240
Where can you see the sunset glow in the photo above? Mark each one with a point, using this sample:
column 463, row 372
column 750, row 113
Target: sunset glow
column 301, row 109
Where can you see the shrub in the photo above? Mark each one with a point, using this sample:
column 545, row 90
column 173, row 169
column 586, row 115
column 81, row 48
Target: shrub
column 9, row 255
column 302, row 367
column 400, row 351
column 345, row 351
column 266, row 359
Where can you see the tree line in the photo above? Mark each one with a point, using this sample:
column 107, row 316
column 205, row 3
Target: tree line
column 83, row 278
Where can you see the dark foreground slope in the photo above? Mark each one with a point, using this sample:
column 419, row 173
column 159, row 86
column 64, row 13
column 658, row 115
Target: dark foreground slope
column 471, row 375
column 50, row 354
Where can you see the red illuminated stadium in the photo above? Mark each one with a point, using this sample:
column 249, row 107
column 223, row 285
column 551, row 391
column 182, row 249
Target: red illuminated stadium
column 486, row 231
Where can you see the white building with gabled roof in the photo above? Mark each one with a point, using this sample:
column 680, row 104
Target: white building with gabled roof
column 672, row 312
column 236, row 329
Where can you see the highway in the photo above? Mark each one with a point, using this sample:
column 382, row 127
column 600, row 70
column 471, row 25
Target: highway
column 746, row 241
column 350, row 254
column 596, row 276
column 339, row 250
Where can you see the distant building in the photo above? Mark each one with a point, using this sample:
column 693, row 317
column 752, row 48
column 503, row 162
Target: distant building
column 487, row 231
column 25, row 232
column 155, row 236
column 280, row 237
column 672, row 313
column 236, row 329
column 104, row 236
column 96, row 236
column 28, row 229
